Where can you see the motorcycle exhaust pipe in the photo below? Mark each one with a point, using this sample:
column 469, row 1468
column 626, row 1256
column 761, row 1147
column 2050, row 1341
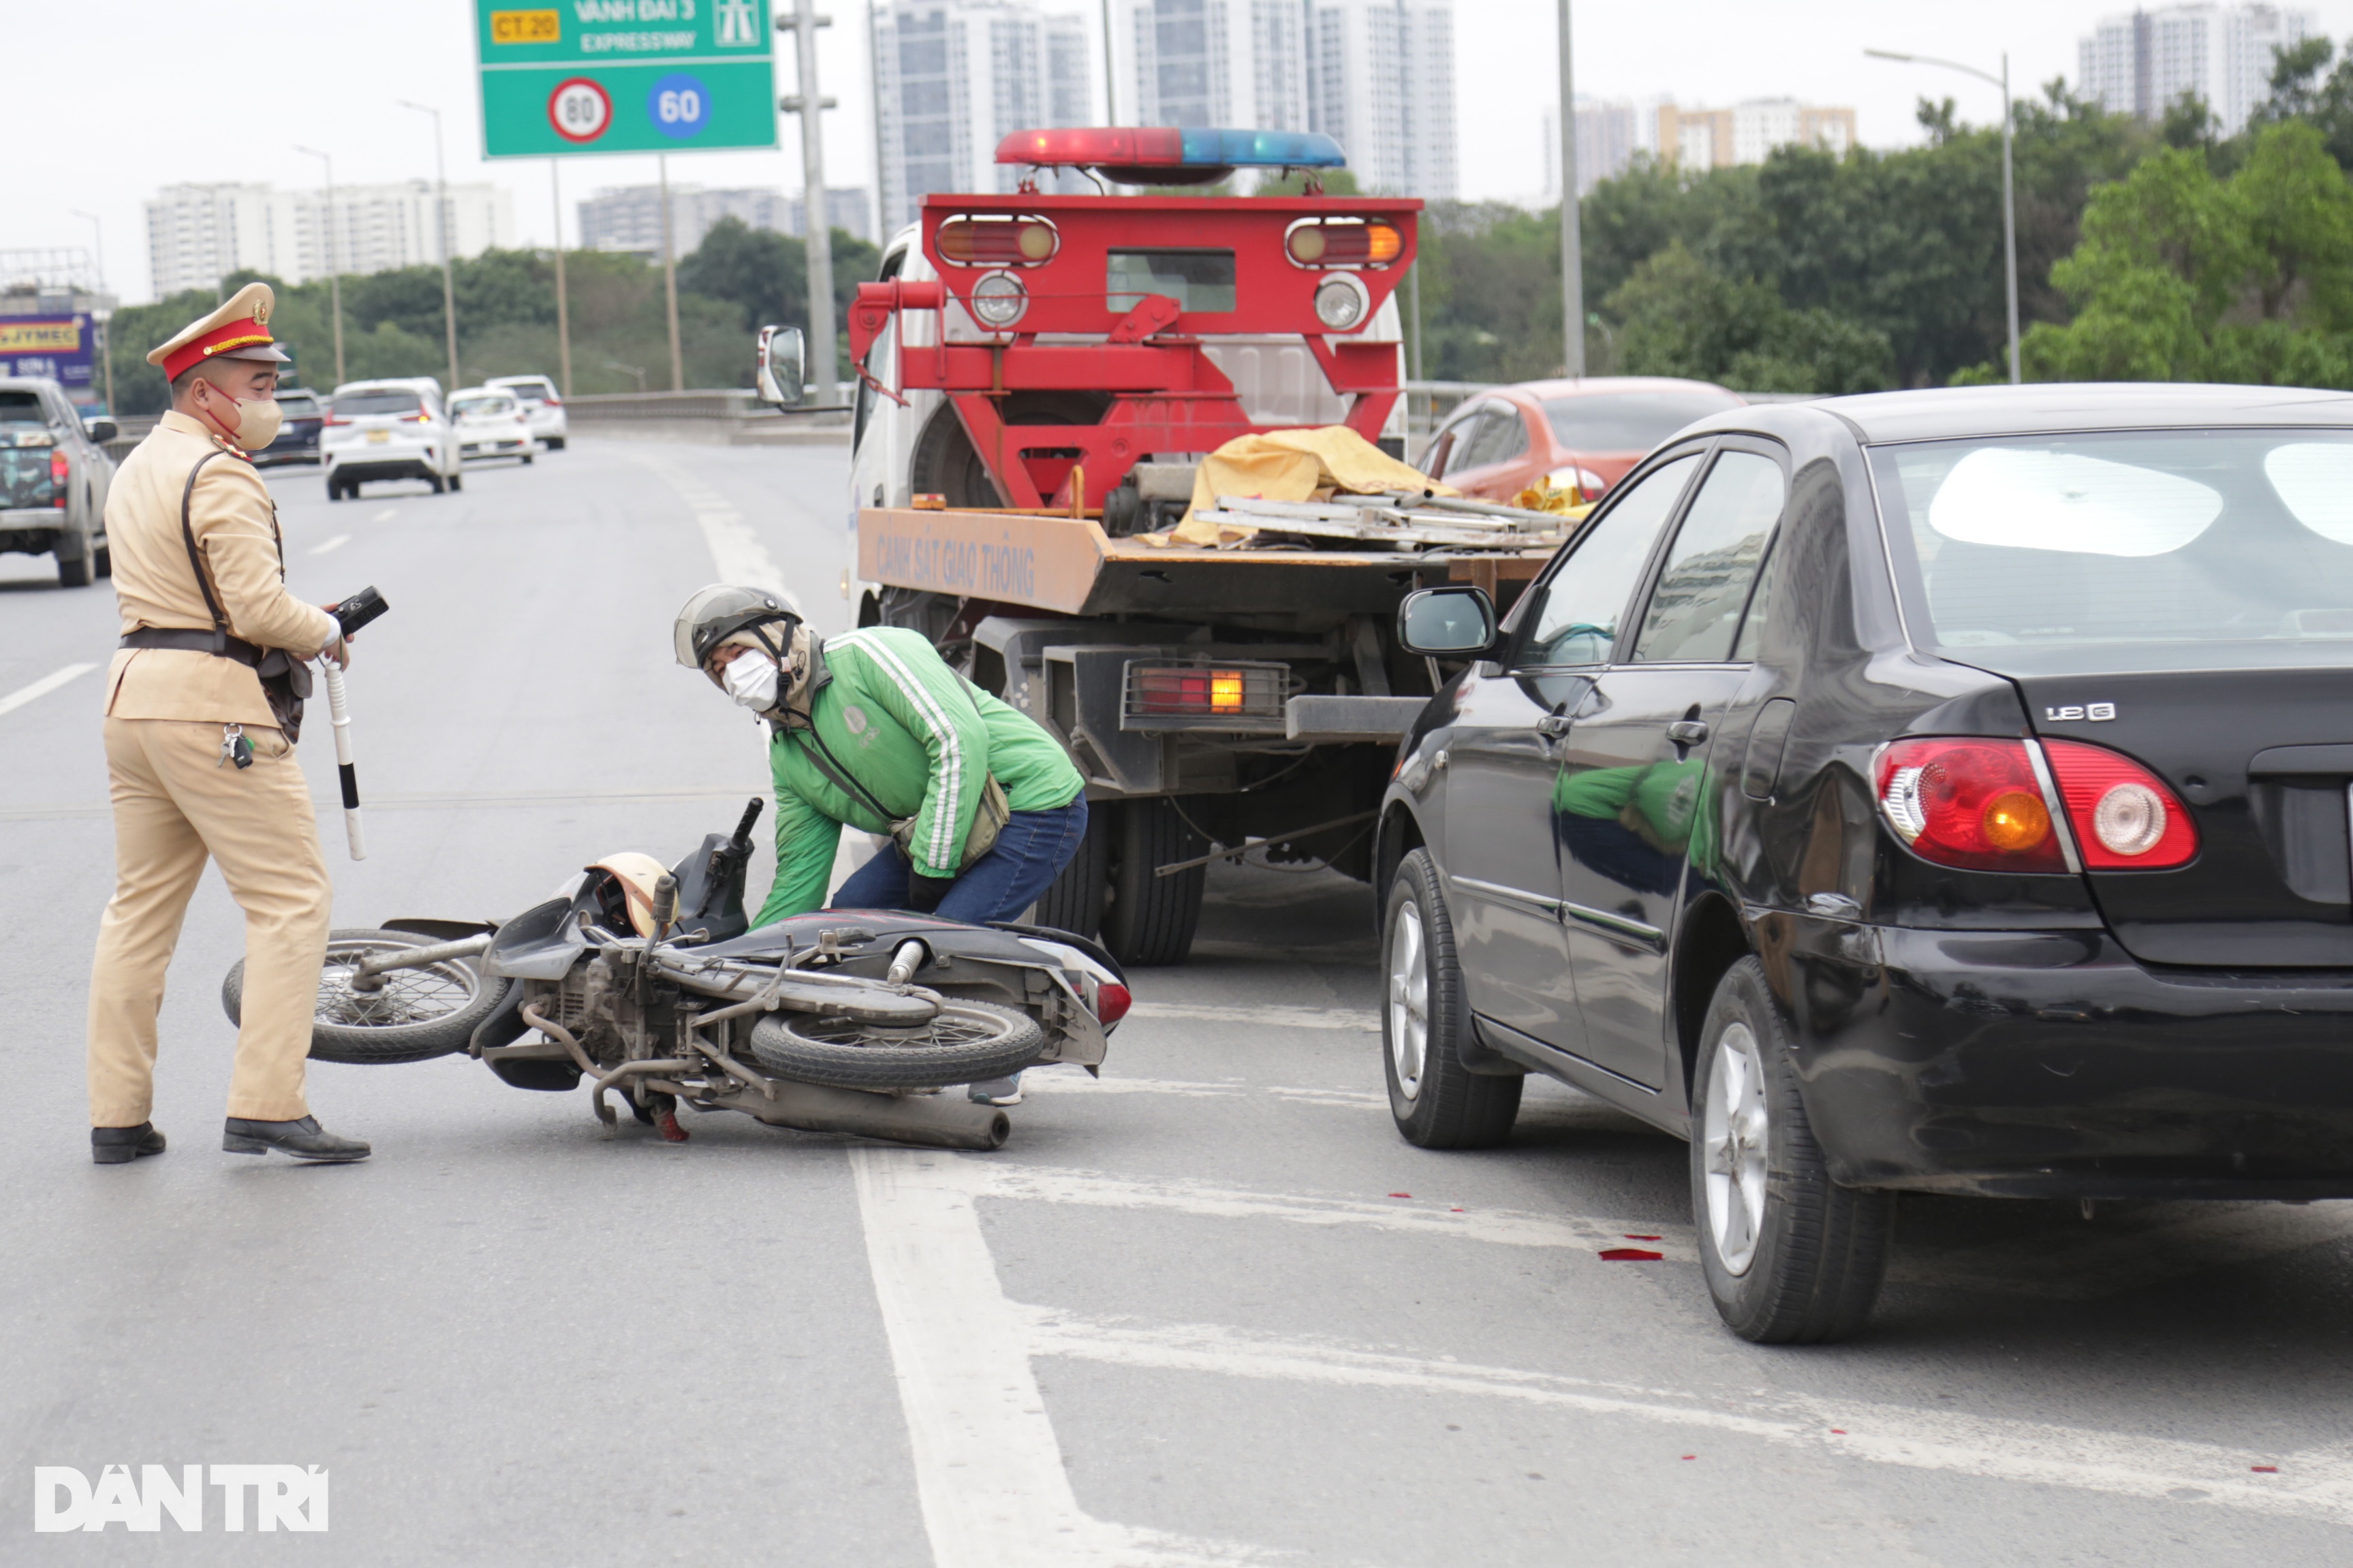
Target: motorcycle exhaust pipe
column 946, row 1120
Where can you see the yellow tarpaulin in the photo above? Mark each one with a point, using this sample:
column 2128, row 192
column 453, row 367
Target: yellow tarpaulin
column 1291, row 465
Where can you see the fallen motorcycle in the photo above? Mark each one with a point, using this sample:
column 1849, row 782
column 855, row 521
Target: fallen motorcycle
column 647, row 982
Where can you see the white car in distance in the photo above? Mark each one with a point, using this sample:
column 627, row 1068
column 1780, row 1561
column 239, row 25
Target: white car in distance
column 387, row 430
column 541, row 405
column 490, row 423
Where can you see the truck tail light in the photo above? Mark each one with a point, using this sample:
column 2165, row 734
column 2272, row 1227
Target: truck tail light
column 998, row 300
column 1209, row 696
column 1344, row 242
column 61, row 476
column 2124, row 817
column 997, row 241
column 1341, row 302
column 1971, row 802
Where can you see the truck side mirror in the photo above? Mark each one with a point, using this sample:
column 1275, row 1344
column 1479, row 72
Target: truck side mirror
column 1447, row 622
column 782, row 355
column 101, row 430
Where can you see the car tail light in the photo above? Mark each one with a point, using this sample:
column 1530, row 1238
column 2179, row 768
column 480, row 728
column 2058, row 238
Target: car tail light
column 1112, row 1002
column 416, row 418
column 997, row 241
column 60, row 477
column 2124, row 817
column 335, row 419
column 1345, row 244
column 1974, row 804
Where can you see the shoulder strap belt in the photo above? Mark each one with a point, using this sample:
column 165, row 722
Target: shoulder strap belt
column 218, row 642
column 824, row 760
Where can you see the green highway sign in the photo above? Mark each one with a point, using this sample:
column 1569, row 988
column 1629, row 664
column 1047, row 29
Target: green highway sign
column 624, row 76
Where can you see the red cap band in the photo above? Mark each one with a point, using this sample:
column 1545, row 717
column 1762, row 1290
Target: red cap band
column 227, row 335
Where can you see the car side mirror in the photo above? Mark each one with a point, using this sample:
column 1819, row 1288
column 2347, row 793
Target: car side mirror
column 782, row 355
column 1447, row 622
column 103, row 430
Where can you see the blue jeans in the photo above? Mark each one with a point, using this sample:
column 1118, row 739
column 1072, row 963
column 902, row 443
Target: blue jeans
column 1030, row 851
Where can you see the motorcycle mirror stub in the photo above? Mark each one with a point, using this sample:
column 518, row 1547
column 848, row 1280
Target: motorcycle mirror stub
column 782, row 360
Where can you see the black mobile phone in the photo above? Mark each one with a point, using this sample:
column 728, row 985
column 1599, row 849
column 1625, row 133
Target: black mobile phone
column 359, row 609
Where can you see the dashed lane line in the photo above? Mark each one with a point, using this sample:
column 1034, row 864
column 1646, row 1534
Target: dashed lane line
column 335, row 543
column 737, row 553
column 387, row 515
column 2313, row 1484
column 43, row 687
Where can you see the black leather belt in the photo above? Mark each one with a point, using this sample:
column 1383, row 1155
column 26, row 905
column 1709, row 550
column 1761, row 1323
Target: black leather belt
column 220, row 645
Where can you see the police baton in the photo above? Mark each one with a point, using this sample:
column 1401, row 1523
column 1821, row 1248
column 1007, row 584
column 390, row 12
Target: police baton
column 350, row 615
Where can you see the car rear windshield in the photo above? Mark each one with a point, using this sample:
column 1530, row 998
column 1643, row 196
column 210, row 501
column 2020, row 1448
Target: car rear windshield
column 531, row 390
column 475, row 408
column 351, row 403
column 297, row 404
column 1630, row 421
column 22, row 408
column 2143, row 550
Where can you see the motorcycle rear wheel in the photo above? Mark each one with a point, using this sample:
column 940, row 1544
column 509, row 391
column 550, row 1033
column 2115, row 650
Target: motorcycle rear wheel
column 418, row 1014
column 968, row 1042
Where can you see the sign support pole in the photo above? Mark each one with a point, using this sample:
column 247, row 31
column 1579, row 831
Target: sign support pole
column 816, row 218
column 563, row 300
column 669, row 280
column 1572, row 247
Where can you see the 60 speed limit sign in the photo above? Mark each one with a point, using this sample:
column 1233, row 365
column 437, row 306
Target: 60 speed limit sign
column 579, row 109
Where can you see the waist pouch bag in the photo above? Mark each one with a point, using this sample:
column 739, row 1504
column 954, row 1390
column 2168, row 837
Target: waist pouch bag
column 285, row 681
column 988, row 822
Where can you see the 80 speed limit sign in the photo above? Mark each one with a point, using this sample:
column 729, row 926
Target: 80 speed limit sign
column 579, row 109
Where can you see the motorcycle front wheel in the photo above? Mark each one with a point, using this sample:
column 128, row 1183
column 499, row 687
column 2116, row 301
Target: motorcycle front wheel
column 417, row 1015
column 968, row 1042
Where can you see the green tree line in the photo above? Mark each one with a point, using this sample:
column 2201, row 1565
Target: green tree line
column 2145, row 252
column 737, row 280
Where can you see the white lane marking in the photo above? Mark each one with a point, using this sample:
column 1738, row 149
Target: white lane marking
column 736, row 552
column 387, row 515
column 1504, row 1227
column 2315, row 1484
column 335, row 543
column 1361, row 1019
column 1074, row 1081
column 988, row 1470
column 43, row 687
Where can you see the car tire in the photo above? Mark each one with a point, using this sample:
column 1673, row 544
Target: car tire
column 439, row 484
column 1149, row 920
column 1789, row 1256
column 1437, row 1102
column 556, row 443
column 103, row 562
column 526, row 459
column 74, row 574
column 456, row 482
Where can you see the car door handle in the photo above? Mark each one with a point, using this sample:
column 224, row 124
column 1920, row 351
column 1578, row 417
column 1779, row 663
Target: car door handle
column 1688, row 731
column 1553, row 726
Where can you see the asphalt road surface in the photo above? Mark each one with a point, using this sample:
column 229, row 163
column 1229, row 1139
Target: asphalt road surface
column 1210, row 1310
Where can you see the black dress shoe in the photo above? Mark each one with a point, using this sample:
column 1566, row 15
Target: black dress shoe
column 121, row 1145
column 305, row 1139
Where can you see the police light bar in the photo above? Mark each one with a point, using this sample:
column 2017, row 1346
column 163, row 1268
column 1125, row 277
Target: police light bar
column 1168, row 155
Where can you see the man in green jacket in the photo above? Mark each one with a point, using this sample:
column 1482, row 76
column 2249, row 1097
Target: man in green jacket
column 871, row 729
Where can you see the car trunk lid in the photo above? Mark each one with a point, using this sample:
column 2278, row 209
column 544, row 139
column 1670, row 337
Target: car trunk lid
column 2263, row 759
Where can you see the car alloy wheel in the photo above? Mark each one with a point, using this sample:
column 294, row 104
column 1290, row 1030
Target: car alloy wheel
column 1408, row 1001
column 1734, row 1127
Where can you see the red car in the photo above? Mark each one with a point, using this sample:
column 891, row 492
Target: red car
column 1587, row 433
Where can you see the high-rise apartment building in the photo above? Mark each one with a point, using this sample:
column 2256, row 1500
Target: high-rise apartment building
column 629, row 218
column 1381, row 82
column 1212, row 62
column 1747, row 132
column 2143, row 62
column 1609, row 134
column 953, row 78
column 197, row 234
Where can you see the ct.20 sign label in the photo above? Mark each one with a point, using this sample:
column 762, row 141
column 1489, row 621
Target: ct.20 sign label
column 625, row 75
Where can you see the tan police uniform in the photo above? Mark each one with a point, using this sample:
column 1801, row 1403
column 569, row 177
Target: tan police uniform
column 168, row 712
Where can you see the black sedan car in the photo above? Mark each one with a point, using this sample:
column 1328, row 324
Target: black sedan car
column 1941, row 791
column 301, row 414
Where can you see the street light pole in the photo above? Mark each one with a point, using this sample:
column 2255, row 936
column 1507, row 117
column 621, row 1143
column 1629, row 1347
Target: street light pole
column 1111, row 72
column 441, row 204
column 562, row 303
column 334, row 272
column 1572, row 246
column 102, row 315
column 669, row 280
column 2009, row 187
column 817, row 221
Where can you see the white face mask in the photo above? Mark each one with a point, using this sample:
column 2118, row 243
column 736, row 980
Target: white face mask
column 751, row 679
column 258, row 419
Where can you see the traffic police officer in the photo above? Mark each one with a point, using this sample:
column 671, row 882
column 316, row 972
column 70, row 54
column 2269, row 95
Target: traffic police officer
column 203, row 702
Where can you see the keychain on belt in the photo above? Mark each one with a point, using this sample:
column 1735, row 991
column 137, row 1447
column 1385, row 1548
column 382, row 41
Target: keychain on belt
column 235, row 747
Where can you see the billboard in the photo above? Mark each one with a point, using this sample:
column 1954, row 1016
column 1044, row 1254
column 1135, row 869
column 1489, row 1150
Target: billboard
column 62, row 345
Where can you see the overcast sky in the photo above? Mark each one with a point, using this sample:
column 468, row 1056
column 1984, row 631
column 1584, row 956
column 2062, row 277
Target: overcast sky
column 113, row 115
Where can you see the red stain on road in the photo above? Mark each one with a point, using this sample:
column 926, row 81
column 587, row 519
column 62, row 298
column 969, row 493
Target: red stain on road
column 2264, row 1469
column 1400, row 1194
column 1627, row 1255
column 1631, row 1237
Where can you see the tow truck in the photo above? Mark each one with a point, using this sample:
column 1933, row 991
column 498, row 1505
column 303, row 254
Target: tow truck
column 1038, row 374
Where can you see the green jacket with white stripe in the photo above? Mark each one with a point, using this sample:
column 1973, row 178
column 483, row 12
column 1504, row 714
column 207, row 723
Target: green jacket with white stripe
column 919, row 738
